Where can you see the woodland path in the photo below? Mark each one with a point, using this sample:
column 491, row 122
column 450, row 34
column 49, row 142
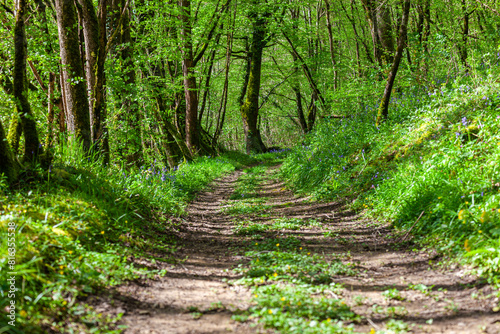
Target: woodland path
column 192, row 297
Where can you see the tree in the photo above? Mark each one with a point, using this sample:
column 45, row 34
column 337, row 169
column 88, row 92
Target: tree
column 250, row 108
column 190, row 58
column 8, row 165
column 76, row 99
column 188, row 64
column 32, row 146
column 378, row 14
column 383, row 110
column 94, row 31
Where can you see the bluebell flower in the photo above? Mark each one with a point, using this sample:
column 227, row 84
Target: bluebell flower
column 464, row 121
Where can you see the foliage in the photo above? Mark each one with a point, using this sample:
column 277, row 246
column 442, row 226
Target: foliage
column 293, row 289
column 437, row 158
column 76, row 228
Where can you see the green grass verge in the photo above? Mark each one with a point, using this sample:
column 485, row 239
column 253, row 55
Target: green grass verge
column 73, row 228
column 438, row 157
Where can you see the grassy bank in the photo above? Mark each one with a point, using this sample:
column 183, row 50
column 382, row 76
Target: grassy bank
column 78, row 223
column 436, row 157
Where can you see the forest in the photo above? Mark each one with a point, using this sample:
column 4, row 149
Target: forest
column 260, row 166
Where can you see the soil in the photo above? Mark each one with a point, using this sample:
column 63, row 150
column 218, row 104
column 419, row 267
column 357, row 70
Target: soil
column 193, row 297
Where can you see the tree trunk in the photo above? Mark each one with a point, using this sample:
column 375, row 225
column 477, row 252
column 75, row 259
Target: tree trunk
column 331, row 43
column 296, row 85
column 378, row 15
column 91, row 37
column 94, row 31
column 32, row 147
column 191, row 96
column 308, row 74
column 15, row 132
column 77, row 118
column 383, row 110
column 50, row 117
column 8, row 165
column 222, row 108
column 208, row 76
column 462, row 48
column 173, row 152
column 250, row 108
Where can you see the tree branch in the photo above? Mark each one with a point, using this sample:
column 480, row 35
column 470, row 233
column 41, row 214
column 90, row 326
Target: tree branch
column 115, row 32
column 217, row 16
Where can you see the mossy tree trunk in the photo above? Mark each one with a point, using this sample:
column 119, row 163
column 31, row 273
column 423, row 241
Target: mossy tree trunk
column 78, row 119
column 32, row 147
column 15, row 132
column 250, row 107
column 8, row 165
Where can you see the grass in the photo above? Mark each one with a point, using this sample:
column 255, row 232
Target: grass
column 437, row 158
column 293, row 289
column 75, row 226
column 256, row 229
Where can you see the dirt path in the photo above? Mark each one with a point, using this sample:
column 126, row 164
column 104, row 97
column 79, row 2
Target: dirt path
column 390, row 283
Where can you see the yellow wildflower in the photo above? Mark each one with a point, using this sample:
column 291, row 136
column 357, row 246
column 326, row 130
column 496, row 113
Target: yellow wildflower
column 270, row 311
column 102, row 232
column 328, row 320
column 23, row 313
column 461, row 214
column 479, row 231
column 277, row 245
column 372, row 331
column 275, row 274
column 283, row 299
column 466, row 245
column 71, row 252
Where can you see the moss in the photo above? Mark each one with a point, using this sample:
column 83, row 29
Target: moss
column 15, row 131
column 8, row 165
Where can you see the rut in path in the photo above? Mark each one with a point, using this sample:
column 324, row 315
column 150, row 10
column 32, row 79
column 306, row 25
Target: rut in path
column 192, row 297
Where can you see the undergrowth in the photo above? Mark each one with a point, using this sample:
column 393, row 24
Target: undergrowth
column 293, row 291
column 438, row 159
column 77, row 224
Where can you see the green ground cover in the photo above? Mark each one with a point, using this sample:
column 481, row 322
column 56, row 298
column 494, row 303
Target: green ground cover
column 437, row 157
column 77, row 223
